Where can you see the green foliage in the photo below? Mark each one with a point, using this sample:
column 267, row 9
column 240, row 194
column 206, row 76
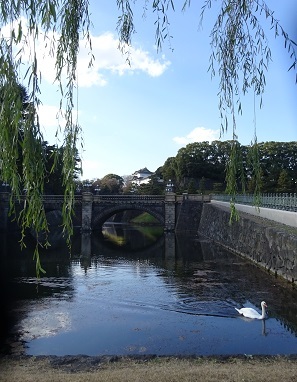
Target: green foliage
column 54, row 183
column 258, row 165
column 235, row 170
column 240, row 50
column 240, row 56
column 111, row 184
column 191, row 187
column 144, row 218
column 255, row 183
column 202, row 186
column 112, row 176
column 69, row 19
column 273, row 158
column 168, row 170
column 284, row 182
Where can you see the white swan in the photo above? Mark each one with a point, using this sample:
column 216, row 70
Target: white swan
column 252, row 313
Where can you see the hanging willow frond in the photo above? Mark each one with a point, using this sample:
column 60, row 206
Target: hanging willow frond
column 240, row 56
column 234, row 176
column 254, row 161
column 240, row 49
column 126, row 27
column 24, row 23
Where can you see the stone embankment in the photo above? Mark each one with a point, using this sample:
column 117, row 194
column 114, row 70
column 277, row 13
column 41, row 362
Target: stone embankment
column 269, row 244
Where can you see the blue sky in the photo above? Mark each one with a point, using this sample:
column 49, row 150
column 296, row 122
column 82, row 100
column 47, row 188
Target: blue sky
column 138, row 116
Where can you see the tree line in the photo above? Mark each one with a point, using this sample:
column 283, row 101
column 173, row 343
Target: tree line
column 207, row 163
column 200, row 167
column 240, row 55
column 52, row 155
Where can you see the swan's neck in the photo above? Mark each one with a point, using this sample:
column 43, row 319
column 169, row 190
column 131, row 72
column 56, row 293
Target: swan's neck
column 263, row 312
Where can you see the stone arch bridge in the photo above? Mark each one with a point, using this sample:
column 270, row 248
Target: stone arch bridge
column 175, row 213
column 96, row 209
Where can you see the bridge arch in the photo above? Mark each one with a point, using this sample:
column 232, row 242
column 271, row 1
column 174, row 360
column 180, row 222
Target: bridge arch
column 100, row 217
column 147, row 251
column 97, row 208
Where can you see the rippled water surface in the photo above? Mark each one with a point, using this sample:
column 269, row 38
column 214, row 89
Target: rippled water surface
column 176, row 296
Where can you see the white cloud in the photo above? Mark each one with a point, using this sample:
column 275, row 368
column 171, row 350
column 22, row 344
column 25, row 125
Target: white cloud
column 108, row 58
column 141, row 60
column 199, row 134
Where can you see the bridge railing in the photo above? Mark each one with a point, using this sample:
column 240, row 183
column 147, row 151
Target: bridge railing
column 58, row 199
column 285, row 202
column 54, row 198
column 193, row 197
column 148, row 198
column 128, row 198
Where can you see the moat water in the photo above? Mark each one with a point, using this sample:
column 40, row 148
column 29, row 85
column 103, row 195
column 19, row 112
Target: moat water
column 135, row 292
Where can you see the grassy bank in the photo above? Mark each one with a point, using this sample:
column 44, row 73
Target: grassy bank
column 144, row 218
column 164, row 369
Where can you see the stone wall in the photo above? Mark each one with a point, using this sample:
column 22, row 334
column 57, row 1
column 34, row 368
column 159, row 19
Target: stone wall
column 269, row 244
column 188, row 216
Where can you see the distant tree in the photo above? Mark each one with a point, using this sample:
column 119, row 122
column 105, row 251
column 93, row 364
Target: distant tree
column 284, row 182
column 128, row 186
column 273, row 158
column 257, row 167
column 251, row 184
column 168, row 170
column 239, row 54
column 111, row 184
column 203, row 159
column 54, row 169
column 86, row 185
column 96, row 186
column 191, row 187
column 202, row 186
column 218, row 188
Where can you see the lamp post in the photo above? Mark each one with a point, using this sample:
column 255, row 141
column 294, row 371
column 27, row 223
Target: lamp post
column 170, row 207
column 87, row 186
column 169, row 186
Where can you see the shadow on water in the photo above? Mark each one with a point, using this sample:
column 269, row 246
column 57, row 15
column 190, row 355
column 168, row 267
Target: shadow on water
column 135, row 290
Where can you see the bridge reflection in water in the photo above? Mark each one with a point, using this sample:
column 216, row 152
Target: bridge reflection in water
column 164, row 244
column 177, row 299
column 92, row 211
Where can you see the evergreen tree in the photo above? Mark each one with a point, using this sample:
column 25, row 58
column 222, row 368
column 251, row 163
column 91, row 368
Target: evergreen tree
column 284, row 183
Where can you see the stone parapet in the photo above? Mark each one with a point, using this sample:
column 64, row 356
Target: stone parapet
column 170, row 211
column 271, row 245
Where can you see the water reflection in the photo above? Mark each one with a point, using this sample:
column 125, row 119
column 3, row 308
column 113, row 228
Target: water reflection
column 173, row 295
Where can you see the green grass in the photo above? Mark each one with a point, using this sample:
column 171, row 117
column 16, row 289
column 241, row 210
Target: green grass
column 145, row 218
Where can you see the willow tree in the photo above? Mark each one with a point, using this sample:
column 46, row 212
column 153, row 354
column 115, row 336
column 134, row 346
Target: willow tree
column 60, row 26
column 240, row 58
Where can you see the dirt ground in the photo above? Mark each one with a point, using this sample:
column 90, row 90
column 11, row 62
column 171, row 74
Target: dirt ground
column 146, row 369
